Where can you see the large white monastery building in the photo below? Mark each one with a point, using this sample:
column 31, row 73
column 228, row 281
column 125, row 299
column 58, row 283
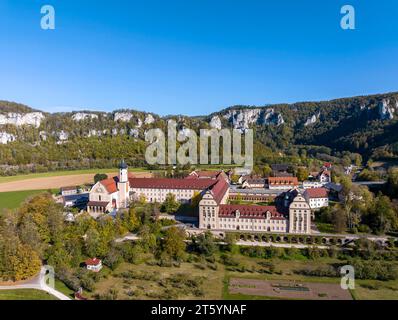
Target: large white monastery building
column 215, row 213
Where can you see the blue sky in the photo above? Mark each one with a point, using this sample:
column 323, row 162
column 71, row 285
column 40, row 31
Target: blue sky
column 194, row 56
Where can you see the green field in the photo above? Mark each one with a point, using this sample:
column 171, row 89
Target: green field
column 25, row 294
column 13, row 199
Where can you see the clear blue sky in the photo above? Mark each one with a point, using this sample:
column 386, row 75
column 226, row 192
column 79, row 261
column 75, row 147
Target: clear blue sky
column 194, row 56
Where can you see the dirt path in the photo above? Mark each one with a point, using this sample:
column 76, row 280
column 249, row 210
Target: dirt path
column 56, row 182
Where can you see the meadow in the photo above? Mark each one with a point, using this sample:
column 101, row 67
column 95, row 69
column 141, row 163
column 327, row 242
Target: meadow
column 13, row 200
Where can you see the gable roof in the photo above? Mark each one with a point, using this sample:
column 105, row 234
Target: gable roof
column 219, row 189
column 317, row 193
column 325, row 172
column 250, row 211
column 110, row 184
column 93, row 262
column 283, row 181
column 169, row 183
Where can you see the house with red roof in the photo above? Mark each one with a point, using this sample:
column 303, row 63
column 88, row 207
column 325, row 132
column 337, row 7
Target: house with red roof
column 94, row 264
column 282, row 183
column 317, row 197
column 325, row 176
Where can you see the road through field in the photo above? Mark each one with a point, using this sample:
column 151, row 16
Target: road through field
column 56, row 182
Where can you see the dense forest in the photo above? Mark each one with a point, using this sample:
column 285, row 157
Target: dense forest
column 365, row 127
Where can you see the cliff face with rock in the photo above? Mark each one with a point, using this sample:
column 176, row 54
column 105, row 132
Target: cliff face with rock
column 360, row 124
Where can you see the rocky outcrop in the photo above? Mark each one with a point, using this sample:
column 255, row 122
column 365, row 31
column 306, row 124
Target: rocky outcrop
column 123, row 116
column 6, row 137
column 386, row 111
column 149, row 119
column 242, row 119
column 43, row 135
column 80, row 116
column 215, row 123
column 134, row 133
column 62, row 136
column 19, row 119
column 312, row 120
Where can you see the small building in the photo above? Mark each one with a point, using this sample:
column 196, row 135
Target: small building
column 68, row 191
column 312, row 184
column 282, row 183
column 325, row 176
column 94, row 264
column 317, row 197
column 75, row 200
column 254, row 183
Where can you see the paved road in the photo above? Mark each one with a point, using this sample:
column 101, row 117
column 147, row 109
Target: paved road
column 38, row 283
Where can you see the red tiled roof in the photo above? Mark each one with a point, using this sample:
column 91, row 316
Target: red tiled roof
column 327, row 164
column 249, row 211
column 167, row 183
column 317, row 193
column 255, row 181
column 283, row 181
column 205, row 174
column 110, row 184
column 219, row 189
column 93, row 262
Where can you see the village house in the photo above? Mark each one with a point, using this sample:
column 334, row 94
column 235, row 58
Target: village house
column 94, row 264
column 68, row 191
column 282, row 183
column 317, row 197
column 254, row 183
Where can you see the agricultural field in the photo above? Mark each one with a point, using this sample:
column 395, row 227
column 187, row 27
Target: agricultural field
column 187, row 281
column 61, row 173
column 13, row 200
column 212, row 280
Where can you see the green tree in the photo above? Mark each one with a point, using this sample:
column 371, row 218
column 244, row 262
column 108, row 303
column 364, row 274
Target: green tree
column 173, row 243
column 100, row 177
column 339, row 220
column 170, row 205
column 205, row 244
column 302, row 173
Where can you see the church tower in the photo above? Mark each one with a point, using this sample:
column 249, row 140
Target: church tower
column 123, row 185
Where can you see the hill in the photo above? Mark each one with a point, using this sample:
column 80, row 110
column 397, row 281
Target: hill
column 34, row 140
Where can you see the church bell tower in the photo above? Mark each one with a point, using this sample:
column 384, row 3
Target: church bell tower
column 123, row 185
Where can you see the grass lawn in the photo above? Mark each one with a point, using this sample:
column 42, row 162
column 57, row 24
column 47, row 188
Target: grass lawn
column 12, row 200
column 61, row 287
column 25, row 294
column 325, row 227
column 63, row 173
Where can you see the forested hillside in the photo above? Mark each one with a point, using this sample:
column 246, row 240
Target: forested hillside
column 31, row 140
